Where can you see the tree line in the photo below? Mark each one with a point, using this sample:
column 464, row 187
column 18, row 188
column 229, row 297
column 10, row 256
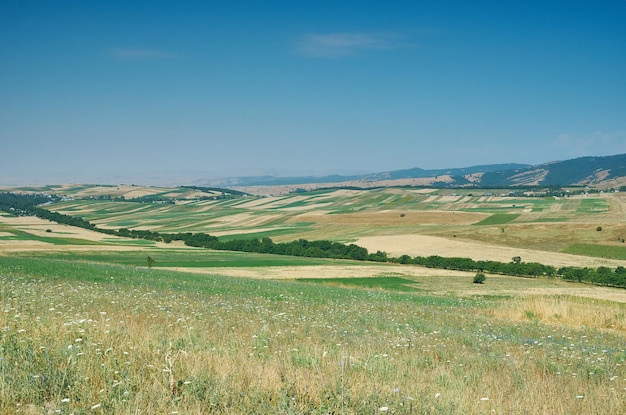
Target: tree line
column 21, row 205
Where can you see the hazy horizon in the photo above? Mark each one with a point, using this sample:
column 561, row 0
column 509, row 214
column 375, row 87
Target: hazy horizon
column 146, row 92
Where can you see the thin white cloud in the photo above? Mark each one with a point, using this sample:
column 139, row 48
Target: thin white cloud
column 139, row 54
column 595, row 144
column 337, row 45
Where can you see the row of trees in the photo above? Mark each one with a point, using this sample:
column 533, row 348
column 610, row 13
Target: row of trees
column 600, row 276
column 301, row 247
column 515, row 267
column 26, row 205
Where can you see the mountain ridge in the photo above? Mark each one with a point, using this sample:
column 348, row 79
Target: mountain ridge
column 581, row 171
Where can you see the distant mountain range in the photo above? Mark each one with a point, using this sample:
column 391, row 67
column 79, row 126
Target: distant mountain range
column 608, row 171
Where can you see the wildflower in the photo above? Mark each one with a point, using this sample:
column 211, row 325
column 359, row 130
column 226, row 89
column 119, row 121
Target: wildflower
column 383, row 409
column 65, row 400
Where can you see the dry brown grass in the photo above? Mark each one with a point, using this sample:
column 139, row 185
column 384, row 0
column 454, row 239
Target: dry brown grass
column 573, row 311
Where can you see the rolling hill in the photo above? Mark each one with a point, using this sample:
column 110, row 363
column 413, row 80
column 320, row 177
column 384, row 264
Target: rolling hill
column 601, row 172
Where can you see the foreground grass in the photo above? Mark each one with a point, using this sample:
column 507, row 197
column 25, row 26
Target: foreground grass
column 187, row 258
column 92, row 338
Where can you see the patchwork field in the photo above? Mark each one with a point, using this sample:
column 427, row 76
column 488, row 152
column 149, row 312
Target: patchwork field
column 87, row 327
column 389, row 219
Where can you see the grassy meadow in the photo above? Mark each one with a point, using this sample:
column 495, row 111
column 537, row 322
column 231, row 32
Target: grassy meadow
column 82, row 337
column 86, row 327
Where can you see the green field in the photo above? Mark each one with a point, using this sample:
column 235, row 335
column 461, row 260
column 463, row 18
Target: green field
column 384, row 282
column 601, row 251
column 184, row 258
column 498, row 219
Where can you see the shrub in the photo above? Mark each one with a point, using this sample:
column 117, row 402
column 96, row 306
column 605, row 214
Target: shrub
column 479, row 278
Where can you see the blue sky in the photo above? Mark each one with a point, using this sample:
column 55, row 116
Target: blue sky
column 154, row 91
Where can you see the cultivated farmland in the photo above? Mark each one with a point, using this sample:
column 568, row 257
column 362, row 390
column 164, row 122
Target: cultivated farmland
column 481, row 226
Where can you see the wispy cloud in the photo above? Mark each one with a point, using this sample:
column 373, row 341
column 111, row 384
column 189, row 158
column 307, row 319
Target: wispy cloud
column 139, row 54
column 338, row 45
column 595, row 144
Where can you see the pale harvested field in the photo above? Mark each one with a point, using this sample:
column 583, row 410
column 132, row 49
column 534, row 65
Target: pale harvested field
column 244, row 220
column 257, row 202
column 38, row 227
column 242, row 231
column 273, row 203
column 121, row 190
column 394, row 218
column 325, row 271
column 304, row 207
column 424, row 245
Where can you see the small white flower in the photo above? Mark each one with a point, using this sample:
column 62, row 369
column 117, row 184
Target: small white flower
column 383, row 409
column 437, row 395
column 484, row 399
column 65, row 400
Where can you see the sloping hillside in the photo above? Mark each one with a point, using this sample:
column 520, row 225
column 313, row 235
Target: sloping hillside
column 581, row 171
column 602, row 172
